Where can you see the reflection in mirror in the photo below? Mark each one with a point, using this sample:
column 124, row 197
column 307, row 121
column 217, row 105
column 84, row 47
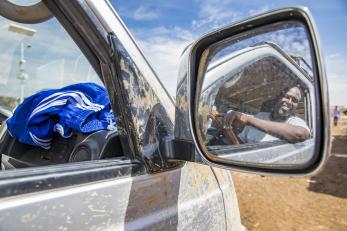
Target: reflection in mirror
column 256, row 102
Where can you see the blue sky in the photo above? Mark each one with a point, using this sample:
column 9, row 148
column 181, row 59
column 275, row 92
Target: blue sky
column 163, row 28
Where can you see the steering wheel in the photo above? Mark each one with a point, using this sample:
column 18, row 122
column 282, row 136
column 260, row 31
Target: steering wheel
column 228, row 133
column 25, row 14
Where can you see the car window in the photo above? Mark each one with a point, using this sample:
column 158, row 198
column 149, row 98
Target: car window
column 256, row 90
column 61, row 108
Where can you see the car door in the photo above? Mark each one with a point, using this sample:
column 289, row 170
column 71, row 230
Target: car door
column 137, row 190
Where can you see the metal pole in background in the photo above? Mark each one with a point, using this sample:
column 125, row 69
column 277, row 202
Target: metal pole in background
column 22, row 75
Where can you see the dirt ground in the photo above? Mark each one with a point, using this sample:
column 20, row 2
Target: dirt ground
column 307, row 203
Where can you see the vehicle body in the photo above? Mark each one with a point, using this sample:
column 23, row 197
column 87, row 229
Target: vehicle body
column 148, row 182
column 144, row 194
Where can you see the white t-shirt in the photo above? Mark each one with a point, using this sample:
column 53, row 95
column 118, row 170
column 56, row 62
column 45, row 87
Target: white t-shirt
column 251, row 134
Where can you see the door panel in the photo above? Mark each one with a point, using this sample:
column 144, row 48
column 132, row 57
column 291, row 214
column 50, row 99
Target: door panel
column 88, row 207
column 200, row 203
column 232, row 212
column 185, row 198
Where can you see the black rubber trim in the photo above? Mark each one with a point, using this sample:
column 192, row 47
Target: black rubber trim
column 183, row 149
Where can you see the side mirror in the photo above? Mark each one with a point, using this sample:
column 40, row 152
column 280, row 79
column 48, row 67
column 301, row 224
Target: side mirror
column 253, row 96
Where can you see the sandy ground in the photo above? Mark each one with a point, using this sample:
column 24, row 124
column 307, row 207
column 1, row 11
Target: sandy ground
column 306, row 203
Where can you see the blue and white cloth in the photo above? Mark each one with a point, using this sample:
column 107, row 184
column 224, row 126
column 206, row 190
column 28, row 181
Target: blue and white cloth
column 83, row 107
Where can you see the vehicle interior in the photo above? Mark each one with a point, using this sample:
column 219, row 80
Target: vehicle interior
column 257, row 88
column 254, row 89
column 79, row 147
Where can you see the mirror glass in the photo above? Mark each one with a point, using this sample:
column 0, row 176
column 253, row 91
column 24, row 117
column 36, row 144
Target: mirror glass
column 256, row 103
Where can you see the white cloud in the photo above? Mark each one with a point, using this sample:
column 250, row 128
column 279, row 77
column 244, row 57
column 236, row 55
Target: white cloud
column 213, row 14
column 163, row 50
column 337, row 78
column 145, row 13
column 294, row 41
column 175, row 33
column 260, row 10
column 334, row 55
column 337, row 92
column 164, row 45
column 217, row 13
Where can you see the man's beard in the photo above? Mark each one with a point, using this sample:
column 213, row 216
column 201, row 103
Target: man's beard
column 282, row 114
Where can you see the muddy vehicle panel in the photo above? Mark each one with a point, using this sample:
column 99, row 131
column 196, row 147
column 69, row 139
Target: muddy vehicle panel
column 150, row 172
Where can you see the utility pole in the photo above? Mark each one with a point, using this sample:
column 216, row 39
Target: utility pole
column 22, row 75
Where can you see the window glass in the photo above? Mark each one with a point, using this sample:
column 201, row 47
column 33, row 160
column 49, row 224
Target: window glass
column 54, row 108
column 257, row 96
column 37, row 57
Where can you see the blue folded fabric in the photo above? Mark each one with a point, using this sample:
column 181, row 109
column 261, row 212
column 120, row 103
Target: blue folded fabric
column 83, row 107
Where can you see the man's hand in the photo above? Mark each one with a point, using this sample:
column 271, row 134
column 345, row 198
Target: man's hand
column 233, row 118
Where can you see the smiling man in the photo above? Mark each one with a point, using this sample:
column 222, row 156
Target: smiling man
column 280, row 123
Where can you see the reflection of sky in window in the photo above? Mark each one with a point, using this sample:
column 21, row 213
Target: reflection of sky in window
column 52, row 61
column 291, row 38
